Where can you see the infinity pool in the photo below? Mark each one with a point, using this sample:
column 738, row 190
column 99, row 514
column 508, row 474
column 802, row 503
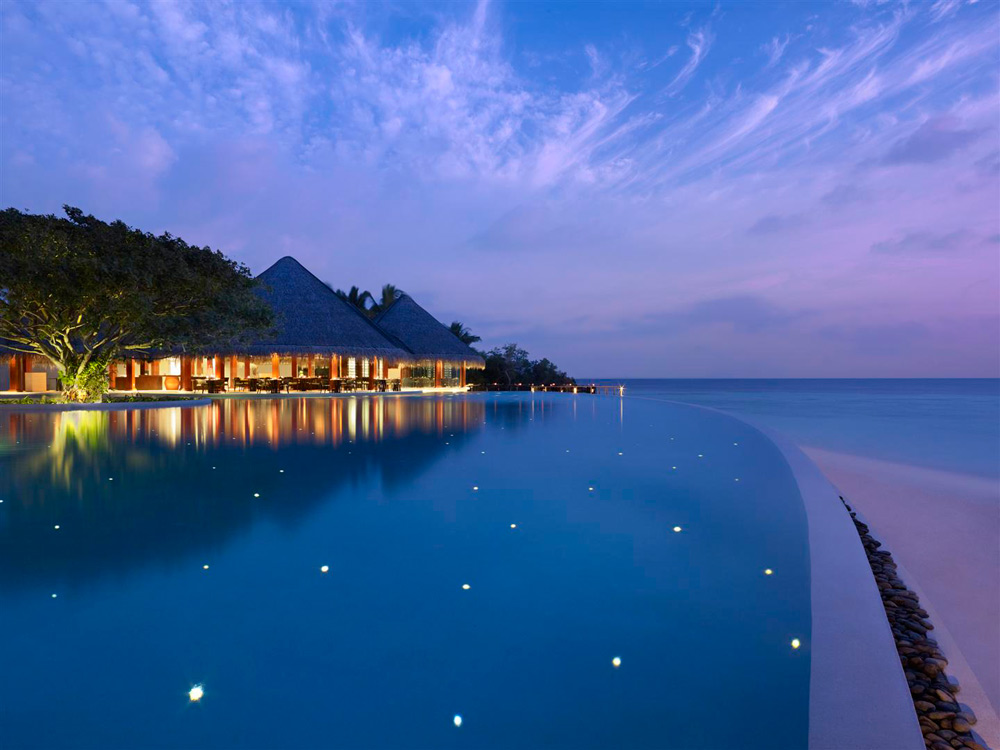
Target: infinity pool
column 496, row 570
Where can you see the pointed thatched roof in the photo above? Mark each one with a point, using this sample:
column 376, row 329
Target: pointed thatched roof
column 422, row 334
column 312, row 319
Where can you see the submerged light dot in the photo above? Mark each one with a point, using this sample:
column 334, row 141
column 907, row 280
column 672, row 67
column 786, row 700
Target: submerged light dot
column 768, row 571
column 324, row 569
column 56, row 526
column 616, row 662
column 513, row 525
column 475, row 487
column 457, row 720
column 204, row 567
column 466, row 586
column 796, row 643
column 256, row 494
column 196, row 693
column 55, row 595
column 677, row 529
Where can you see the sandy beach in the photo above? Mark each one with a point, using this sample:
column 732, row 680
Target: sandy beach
column 943, row 529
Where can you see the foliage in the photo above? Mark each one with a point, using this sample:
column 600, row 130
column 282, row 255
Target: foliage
column 88, row 383
column 357, row 298
column 365, row 301
column 464, row 334
column 80, row 291
column 29, row 400
column 511, row 365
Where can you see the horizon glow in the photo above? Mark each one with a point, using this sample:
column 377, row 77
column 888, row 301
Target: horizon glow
column 738, row 190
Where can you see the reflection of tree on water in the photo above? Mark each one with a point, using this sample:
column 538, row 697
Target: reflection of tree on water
column 133, row 487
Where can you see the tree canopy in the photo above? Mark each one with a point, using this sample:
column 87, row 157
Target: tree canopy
column 82, row 292
column 510, row 365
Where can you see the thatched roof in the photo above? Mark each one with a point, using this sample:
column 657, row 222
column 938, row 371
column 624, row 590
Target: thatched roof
column 422, row 334
column 312, row 319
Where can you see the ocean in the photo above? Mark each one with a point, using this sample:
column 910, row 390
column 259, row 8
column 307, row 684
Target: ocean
column 944, row 424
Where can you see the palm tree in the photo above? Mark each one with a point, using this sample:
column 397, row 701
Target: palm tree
column 390, row 293
column 357, row 298
column 463, row 333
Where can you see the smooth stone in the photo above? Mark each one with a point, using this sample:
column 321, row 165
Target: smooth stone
column 961, row 725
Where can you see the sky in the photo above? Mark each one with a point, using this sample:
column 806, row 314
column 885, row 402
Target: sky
column 734, row 189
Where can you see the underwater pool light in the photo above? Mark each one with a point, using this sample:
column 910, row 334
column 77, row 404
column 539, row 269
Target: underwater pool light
column 677, row 529
column 616, row 662
column 195, row 693
column 457, row 720
column 796, row 643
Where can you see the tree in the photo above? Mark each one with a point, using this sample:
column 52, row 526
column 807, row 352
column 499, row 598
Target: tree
column 390, row 293
column 357, row 298
column 510, row 365
column 82, row 292
column 463, row 333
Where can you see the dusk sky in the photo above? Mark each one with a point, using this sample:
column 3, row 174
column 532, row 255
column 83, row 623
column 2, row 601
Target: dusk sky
column 646, row 190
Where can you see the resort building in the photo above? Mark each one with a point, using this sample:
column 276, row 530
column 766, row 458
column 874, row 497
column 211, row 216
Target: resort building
column 319, row 342
column 442, row 359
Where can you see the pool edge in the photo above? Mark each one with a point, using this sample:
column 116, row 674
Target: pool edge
column 858, row 696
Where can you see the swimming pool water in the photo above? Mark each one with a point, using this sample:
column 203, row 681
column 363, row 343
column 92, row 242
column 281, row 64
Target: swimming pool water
column 191, row 546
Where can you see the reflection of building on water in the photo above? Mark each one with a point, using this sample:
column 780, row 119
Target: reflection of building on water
column 273, row 422
column 148, row 485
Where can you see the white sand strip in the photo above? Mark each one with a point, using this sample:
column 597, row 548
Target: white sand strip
column 943, row 530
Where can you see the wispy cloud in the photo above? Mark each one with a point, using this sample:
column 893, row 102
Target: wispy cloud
column 699, row 42
column 739, row 170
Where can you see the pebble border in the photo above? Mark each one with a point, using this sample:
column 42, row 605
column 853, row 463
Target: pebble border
column 943, row 722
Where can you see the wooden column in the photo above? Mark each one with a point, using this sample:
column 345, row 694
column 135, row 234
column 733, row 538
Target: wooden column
column 232, row 372
column 218, row 365
column 438, row 372
column 154, row 367
column 130, row 374
column 334, row 365
column 186, row 370
column 371, row 373
column 275, row 366
column 311, row 371
column 295, row 366
column 17, row 369
column 246, row 367
column 461, row 377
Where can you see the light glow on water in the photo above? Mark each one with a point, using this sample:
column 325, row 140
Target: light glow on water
column 457, row 721
column 466, row 586
column 324, row 569
column 616, row 662
column 796, row 643
column 196, row 693
column 677, row 529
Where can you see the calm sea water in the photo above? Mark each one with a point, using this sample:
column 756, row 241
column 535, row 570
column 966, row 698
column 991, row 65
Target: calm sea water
column 951, row 425
column 143, row 553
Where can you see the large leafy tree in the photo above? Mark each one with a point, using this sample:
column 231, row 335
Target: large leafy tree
column 83, row 292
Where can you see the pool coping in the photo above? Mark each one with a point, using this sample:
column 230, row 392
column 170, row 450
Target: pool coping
column 107, row 406
column 858, row 695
